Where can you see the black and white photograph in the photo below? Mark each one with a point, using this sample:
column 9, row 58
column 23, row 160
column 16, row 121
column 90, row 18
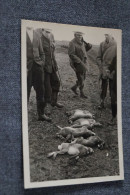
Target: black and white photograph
column 71, row 104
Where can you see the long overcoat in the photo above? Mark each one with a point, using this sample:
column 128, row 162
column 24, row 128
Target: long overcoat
column 107, row 52
column 34, row 51
column 77, row 54
column 50, row 62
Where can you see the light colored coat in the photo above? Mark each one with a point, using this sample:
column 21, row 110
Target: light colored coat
column 107, row 52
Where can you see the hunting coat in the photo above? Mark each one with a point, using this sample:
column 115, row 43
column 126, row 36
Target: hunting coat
column 77, row 53
column 35, row 51
column 106, row 54
column 49, row 48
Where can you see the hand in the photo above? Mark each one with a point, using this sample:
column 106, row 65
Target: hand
column 83, row 67
column 111, row 75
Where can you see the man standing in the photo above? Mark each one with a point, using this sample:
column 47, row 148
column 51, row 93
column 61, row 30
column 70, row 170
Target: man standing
column 113, row 88
column 106, row 61
column 78, row 61
column 35, row 71
column 51, row 82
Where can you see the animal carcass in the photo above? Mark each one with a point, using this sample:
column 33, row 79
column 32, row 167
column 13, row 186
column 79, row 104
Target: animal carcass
column 91, row 141
column 76, row 114
column 70, row 132
column 89, row 123
column 76, row 150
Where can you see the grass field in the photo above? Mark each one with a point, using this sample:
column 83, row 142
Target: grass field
column 42, row 135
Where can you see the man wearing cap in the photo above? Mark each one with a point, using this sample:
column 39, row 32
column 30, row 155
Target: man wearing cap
column 78, row 61
column 107, row 63
column 35, row 71
column 51, row 82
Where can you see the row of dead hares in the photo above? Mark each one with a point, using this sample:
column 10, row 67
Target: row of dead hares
column 79, row 139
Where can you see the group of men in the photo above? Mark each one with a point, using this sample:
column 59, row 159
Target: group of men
column 107, row 63
column 42, row 69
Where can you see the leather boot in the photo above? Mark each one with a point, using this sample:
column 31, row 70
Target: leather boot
column 54, row 100
column 113, row 121
column 74, row 89
column 40, row 111
column 44, row 118
column 101, row 106
column 48, row 109
column 82, row 95
column 58, row 105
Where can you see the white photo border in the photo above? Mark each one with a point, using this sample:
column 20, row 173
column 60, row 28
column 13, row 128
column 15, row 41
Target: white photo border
column 27, row 182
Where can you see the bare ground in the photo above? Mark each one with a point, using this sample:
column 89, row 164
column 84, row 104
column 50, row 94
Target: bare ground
column 42, row 135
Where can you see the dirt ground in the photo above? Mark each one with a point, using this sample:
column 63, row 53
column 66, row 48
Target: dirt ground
column 42, row 135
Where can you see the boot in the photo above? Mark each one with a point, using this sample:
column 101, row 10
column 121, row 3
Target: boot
column 54, row 100
column 58, row 105
column 101, row 106
column 82, row 95
column 74, row 89
column 40, row 111
column 44, row 118
column 113, row 121
column 48, row 109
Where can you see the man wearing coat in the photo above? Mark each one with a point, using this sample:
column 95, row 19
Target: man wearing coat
column 35, row 71
column 78, row 61
column 51, row 82
column 107, row 63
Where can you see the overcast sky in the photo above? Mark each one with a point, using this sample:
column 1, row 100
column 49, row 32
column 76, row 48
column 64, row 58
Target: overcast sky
column 66, row 32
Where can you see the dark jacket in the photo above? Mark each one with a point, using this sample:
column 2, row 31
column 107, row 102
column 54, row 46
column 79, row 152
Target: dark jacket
column 35, row 51
column 78, row 55
column 50, row 62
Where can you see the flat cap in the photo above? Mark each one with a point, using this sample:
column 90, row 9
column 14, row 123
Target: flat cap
column 78, row 33
column 47, row 30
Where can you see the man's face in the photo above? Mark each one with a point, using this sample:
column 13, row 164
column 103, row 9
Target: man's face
column 78, row 37
column 106, row 38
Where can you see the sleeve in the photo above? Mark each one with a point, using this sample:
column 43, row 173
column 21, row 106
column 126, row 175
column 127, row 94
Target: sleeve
column 113, row 66
column 88, row 46
column 99, row 58
column 42, row 53
column 71, row 52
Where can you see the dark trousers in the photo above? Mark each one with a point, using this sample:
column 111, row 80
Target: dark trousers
column 35, row 78
column 104, row 87
column 80, row 79
column 113, row 93
column 52, row 86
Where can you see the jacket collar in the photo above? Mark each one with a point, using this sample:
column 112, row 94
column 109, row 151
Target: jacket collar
column 78, row 42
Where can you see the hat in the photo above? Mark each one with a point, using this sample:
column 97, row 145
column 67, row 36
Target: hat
column 78, row 33
column 48, row 30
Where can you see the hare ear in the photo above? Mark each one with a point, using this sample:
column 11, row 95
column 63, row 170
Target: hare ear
column 73, row 142
column 53, row 154
column 59, row 127
column 50, row 154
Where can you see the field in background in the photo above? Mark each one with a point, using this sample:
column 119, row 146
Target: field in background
column 42, row 135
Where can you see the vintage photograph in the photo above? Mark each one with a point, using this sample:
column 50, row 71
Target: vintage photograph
column 71, row 104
